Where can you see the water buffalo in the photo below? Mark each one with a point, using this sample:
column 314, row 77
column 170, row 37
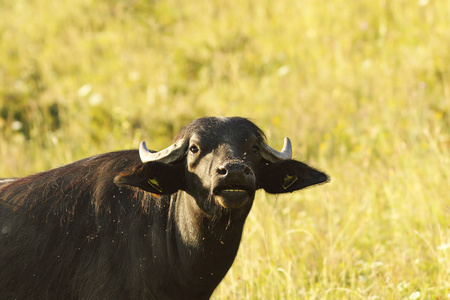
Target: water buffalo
column 141, row 224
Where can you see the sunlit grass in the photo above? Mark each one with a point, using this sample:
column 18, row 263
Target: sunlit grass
column 361, row 87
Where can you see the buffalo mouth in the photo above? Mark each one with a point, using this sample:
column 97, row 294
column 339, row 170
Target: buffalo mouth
column 232, row 197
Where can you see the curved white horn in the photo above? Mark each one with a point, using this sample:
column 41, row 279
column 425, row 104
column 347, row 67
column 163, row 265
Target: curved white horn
column 169, row 155
column 272, row 155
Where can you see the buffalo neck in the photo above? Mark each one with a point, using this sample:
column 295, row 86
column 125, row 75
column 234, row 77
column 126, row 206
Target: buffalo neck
column 206, row 245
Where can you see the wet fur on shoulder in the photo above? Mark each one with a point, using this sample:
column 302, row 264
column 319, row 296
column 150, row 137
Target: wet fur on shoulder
column 67, row 224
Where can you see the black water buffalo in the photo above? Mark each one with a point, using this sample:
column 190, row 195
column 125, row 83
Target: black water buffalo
column 141, row 224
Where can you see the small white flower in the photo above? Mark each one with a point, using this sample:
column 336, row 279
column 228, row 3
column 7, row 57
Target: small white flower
column 415, row 295
column 284, row 70
column 16, row 125
column 443, row 246
column 84, row 90
column 95, row 99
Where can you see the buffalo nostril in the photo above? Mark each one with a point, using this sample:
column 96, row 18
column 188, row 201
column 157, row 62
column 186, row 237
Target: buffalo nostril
column 222, row 170
column 246, row 170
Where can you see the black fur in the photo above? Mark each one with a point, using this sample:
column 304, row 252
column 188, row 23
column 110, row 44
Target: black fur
column 98, row 228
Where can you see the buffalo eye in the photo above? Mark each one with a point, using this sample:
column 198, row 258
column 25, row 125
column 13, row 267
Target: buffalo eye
column 255, row 149
column 194, row 149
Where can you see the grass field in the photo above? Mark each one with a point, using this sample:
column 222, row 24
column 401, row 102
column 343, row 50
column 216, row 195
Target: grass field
column 362, row 88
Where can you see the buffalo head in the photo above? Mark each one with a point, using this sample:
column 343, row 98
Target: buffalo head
column 221, row 162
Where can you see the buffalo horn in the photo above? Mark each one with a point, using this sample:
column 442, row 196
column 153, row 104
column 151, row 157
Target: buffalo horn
column 169, row 155
column 272, row 155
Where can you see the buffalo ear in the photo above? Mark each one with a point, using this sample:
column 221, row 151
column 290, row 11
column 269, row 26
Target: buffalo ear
column 154, row 177
column 288, row 176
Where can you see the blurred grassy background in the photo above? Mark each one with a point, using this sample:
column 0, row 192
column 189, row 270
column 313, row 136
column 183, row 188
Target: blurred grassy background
column 361, row 87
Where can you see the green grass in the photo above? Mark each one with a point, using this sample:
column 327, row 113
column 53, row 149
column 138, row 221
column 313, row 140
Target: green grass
column 362, row 88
